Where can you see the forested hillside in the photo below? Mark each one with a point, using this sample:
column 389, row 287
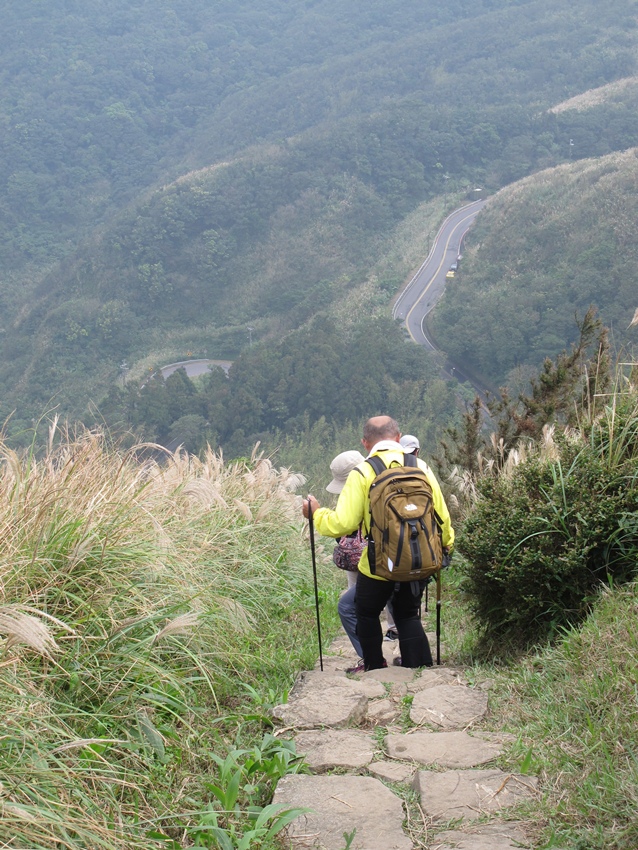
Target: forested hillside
column 174, row 172
column 545, row 250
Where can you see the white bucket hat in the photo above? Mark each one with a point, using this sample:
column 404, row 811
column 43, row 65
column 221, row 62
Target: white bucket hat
column 341, row 467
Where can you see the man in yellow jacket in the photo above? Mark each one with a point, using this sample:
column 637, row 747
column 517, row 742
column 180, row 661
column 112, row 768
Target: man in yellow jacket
column 381, row 436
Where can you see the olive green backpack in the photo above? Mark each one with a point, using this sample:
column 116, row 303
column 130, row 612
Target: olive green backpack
column 404, row 540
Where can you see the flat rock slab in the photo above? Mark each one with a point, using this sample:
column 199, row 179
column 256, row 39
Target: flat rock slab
column 324, row 699
column 448, row 706
column 337, row 706
column 394, row 675
column 501, row 836
column 446, row 749
column 336, row 665
column 433, row 676
column 314, row 680
column 341, row 804
column 326, row 749
column 340, row 646
column 392, row 771
column 470, row 793
column 383, row 711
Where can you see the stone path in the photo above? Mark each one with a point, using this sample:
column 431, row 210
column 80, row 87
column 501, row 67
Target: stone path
column 363, row 764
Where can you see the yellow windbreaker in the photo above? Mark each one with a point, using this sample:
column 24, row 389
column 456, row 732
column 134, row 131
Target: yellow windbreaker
column 353, row 507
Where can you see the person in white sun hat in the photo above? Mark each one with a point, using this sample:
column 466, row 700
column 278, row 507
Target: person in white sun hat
column 346, row 556
column 345, row 553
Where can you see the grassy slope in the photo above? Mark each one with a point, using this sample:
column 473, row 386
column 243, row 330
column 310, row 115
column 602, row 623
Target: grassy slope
column 574, row 710
column 136, row 598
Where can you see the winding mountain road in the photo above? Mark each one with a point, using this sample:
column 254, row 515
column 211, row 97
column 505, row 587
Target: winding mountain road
column 427, row 285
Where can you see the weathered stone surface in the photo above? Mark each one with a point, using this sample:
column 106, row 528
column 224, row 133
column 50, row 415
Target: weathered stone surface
column 326, row 749
column 341, row 804
column 328, row 699
column 398, row 690
column 470, row 793
column 383, row 711
column 339, row 646
column 446, row 749
column 338, row 705
column 315, row 680
column 338, row 656
column 448, row 706
column 368, row 685
column 336, row 665
column 497, row 836
column 433, row 676
column 392, row 771
column 395, row 675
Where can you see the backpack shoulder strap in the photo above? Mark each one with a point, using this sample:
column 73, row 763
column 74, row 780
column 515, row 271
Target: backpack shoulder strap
column 377, row 464
column 409, row 459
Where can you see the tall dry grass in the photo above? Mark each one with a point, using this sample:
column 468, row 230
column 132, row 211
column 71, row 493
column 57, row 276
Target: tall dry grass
column 135, row 598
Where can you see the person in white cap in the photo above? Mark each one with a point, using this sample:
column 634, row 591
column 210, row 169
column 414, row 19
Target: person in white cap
column 410, row 443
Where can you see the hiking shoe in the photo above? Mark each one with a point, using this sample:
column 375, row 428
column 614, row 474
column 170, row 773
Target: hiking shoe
column 391, row 634
column 397, row 661
column 360, row 667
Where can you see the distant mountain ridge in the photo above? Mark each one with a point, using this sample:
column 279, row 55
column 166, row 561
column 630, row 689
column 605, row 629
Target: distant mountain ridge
column 332, row 123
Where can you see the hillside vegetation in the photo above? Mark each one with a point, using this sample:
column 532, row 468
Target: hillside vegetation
column 573, row 708
column 548, row 538
column 543, row 251
column 152, row 614
column 135, row 602
column 249, row 163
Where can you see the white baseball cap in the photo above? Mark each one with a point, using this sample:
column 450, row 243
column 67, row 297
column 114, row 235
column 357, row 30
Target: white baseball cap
column 410, row 443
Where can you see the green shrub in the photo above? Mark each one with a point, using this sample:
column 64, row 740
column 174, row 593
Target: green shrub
column 542, row 537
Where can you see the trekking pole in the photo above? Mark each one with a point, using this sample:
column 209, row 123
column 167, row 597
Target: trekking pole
column 438, row 618
column 311, row 525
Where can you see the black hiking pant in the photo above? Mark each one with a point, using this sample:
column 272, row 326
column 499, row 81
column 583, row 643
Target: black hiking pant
column 370, row 599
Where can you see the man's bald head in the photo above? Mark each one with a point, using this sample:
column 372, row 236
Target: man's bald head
column 380, row 428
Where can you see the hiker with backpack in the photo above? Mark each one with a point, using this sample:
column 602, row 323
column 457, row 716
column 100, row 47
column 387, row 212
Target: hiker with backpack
column 397, row 500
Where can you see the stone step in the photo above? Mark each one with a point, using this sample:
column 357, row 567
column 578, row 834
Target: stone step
column 446, row 749
column 469, row 794
column 329, row 749
column 334, row 715
column 448, row 707
column 499, row 836
column 341, row 804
